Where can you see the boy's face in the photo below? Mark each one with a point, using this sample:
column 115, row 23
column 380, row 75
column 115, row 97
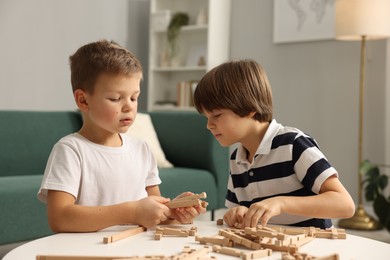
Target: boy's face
column 228, row 127
column 113, row 105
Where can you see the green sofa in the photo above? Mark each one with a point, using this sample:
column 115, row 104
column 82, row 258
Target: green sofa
column 27, row 137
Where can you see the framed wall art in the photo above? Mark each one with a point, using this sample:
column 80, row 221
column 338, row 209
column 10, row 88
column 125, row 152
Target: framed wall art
column 303, row 20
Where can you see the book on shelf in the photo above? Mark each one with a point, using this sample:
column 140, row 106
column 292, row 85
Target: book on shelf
column 185, row 93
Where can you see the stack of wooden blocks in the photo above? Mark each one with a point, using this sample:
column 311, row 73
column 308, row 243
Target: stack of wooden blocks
column 265, row 239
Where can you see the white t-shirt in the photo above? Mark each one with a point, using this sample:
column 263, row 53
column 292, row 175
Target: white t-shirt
column 98, row 175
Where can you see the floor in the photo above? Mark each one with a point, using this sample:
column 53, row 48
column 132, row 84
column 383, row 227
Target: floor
column 381, row 235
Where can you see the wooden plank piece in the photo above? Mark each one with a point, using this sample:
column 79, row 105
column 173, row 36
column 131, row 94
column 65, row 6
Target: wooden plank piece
column 123, row 234
column 64, row 257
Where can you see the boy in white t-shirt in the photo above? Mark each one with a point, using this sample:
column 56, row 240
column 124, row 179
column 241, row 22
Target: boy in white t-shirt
column 99, row 177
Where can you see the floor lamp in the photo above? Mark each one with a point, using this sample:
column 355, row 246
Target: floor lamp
column 361, row 20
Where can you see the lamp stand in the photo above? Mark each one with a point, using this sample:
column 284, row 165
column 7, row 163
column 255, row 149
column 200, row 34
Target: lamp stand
column 361, row 220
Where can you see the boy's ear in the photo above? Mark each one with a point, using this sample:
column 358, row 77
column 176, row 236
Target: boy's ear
column 251, row 114
column 81, row 100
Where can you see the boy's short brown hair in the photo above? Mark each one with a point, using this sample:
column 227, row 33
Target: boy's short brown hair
column 93, row 59
column 241, row 86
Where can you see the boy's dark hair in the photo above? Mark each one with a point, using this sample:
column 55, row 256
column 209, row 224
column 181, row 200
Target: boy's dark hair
column 93, row 59
column 241, row 86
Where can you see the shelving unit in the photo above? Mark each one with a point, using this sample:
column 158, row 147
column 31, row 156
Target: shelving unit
column 201, row 46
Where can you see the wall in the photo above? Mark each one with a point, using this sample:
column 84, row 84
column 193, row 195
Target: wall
column 315, row 84
column 315, row 87
column 37, row 37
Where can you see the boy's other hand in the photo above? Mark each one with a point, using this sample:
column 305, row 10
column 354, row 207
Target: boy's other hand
column 234, row 217
column 186, row 214
column 262, row 211
column 151, row 211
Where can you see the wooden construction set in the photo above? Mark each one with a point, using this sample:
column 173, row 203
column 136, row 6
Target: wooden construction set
column 264, row 240
column 248, row 243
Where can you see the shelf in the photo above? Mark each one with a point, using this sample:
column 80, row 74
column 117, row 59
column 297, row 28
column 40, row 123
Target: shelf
column 204, row 41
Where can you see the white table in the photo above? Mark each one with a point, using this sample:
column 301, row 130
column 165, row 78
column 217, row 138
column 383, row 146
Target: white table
column 91, row 244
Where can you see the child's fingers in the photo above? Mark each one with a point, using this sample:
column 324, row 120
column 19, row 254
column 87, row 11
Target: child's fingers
column 240, row 214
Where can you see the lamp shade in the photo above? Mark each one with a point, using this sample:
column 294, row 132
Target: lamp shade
column 356, row 18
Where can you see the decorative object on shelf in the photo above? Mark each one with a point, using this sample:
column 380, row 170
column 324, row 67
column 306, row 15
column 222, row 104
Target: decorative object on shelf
column 201, row 61
column 185, row 93
column 201, row 19
column 375, row 184
column 178, row 20
column 161, row 19
column 164, row 59
column 361, row 20
column 197, row 55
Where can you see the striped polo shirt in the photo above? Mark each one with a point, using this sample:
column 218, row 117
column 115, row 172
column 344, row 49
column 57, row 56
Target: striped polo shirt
column 287, row 163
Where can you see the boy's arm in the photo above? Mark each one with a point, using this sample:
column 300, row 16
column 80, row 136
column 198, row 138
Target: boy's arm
column 65, row 216
column 333, row 201
column 153, row 190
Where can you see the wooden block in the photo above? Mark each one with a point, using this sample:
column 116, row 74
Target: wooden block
column 236, row 238
column 188, row 201
column 192, row 231
column 220, row 222
column 199, row 253
column 283, row 248
column 329, row 257
column 287, row 256
column 123, row 234
column 256, row 254
column 300, row 240
column 332, row 233
column 157, row 236
column 175, row 232
column 226, row 250
column 216, row 240
column 311, row 231
column 294, row 231
column 256, row 246
column 172, row 232
column 183, row 203
column 186, row 249
column 64, row 257
column 202, row 195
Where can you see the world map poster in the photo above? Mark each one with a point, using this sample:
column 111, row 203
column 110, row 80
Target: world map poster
column 303, row 20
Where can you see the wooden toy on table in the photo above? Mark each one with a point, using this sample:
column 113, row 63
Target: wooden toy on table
column 177, row 232
column 123, row 234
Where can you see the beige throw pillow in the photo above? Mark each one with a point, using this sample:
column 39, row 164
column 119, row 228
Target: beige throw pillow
column 143, row 128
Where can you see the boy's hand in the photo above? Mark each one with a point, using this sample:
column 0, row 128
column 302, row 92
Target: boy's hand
column 262, row 211
column 234, row 217
column 151, row 211
column 187, row 214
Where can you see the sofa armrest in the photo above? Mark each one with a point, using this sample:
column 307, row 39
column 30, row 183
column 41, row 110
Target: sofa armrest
column 187, row 143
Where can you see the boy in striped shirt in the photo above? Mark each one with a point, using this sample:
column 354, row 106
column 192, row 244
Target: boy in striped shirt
column 278, row 174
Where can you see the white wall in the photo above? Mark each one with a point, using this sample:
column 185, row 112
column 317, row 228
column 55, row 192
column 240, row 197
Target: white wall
column 315, row 87
column 315, row 84
column 37, row 37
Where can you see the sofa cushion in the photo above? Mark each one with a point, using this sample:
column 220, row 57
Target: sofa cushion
column 143, row 128
column 27, row 137
column 178, row 180
column 22, row 215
